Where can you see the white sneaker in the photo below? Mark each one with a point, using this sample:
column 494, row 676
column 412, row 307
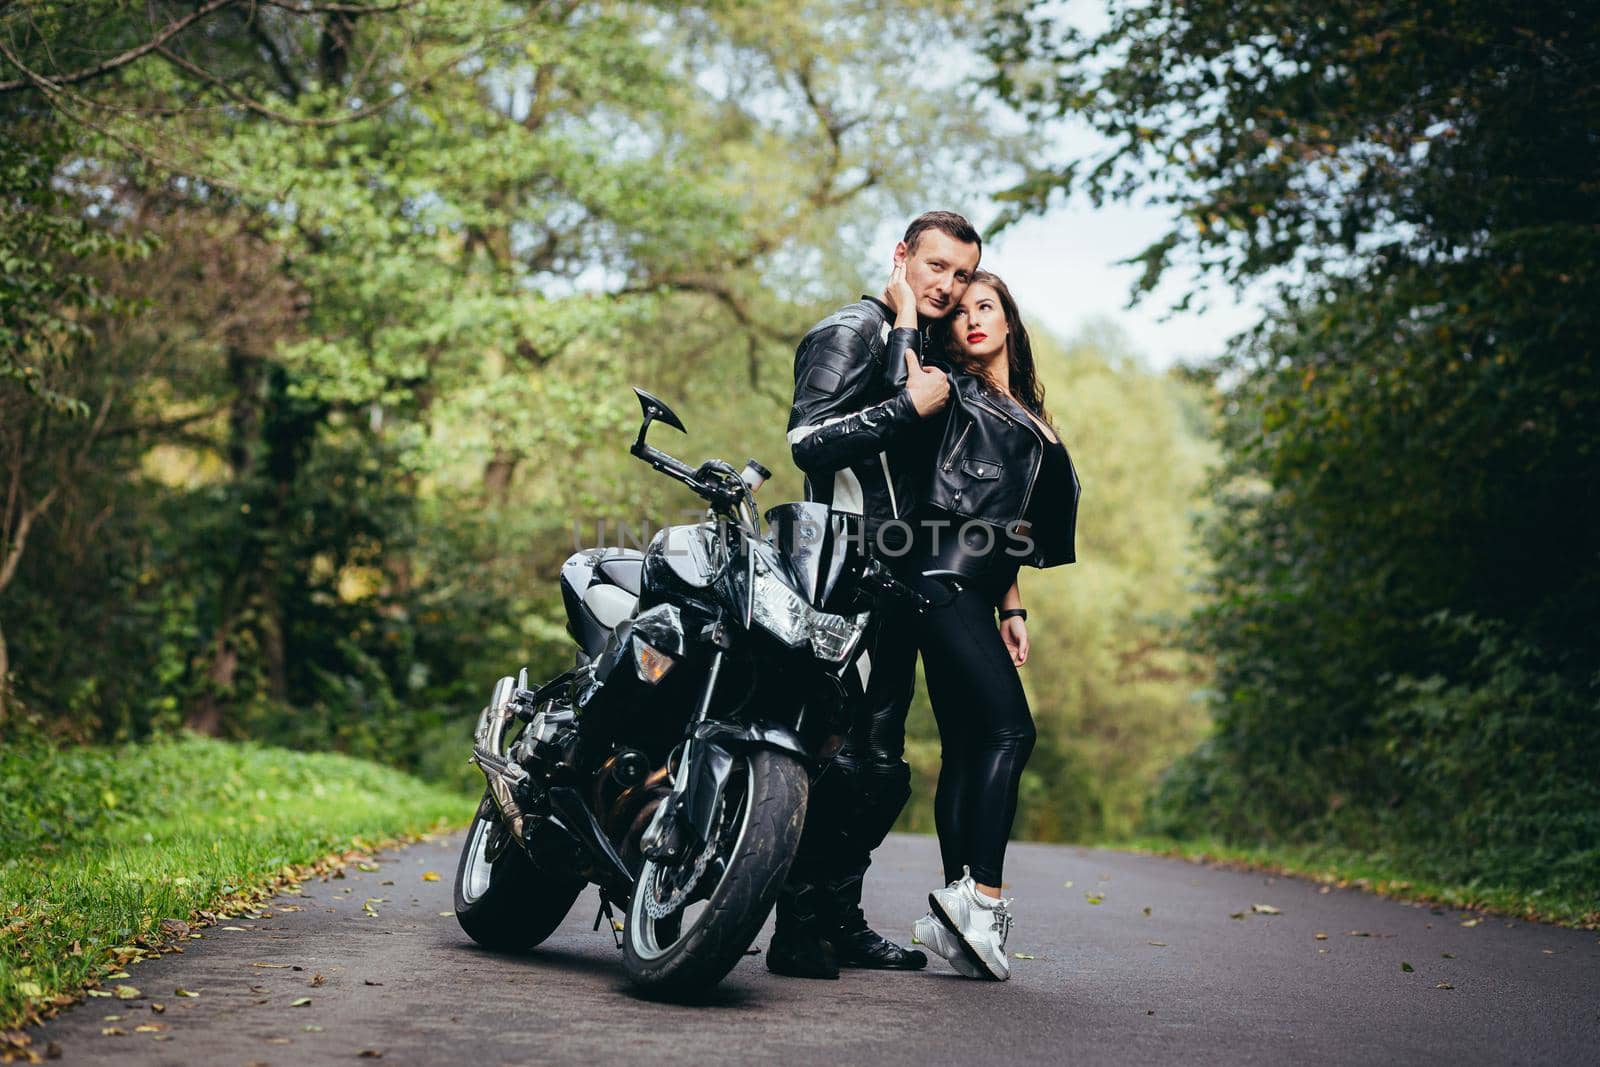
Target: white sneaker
column 979, row 924
column 931, row 932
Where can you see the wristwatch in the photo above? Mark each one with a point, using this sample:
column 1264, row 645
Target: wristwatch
column 1014, row 613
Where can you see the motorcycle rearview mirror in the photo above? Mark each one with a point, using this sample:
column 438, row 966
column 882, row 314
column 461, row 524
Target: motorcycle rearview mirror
column 950, row 583
column 655, row 410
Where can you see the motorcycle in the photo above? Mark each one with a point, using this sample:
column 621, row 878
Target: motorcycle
column 671, row 765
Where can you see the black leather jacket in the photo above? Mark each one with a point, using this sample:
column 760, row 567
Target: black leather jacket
column 853, row 429
column 986, row 468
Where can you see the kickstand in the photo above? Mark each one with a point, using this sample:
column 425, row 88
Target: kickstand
column 611, row 921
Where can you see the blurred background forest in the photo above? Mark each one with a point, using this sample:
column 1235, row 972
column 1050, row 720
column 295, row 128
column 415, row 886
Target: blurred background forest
column 317, row 322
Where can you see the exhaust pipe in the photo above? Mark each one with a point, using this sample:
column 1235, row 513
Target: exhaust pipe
column 506, row 779
column 488, row 740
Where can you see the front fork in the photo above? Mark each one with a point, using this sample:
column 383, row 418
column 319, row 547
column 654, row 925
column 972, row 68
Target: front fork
column 682, row 824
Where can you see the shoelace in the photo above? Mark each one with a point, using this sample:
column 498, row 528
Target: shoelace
column 1002, row 921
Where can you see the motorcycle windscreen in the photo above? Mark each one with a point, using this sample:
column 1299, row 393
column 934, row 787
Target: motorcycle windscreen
column 816, row 544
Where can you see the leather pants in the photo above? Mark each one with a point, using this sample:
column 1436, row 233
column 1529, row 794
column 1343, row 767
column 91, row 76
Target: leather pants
column 859, row 795
column 986, row 732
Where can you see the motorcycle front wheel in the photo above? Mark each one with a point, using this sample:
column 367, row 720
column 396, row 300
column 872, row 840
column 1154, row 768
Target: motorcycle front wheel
column 685, row 931
column 503, row 901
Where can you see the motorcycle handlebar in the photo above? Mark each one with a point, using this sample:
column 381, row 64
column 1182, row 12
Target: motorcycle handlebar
column 700, row 480
column 878, row 575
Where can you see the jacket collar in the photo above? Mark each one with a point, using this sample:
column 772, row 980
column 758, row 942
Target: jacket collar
column 925, row 332
column 888, row 312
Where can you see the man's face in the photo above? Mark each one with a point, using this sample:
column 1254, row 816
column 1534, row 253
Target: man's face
column 938, row 271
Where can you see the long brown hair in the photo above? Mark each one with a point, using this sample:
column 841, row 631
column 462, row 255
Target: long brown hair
column 1024, row 380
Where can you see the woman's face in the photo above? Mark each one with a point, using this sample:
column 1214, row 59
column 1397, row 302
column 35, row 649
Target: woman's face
column 979, row 324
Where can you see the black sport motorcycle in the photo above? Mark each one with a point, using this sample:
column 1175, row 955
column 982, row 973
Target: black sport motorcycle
column 670, row 767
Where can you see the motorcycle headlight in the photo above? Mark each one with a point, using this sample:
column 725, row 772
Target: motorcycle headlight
column 781, row 612
column 834, row 636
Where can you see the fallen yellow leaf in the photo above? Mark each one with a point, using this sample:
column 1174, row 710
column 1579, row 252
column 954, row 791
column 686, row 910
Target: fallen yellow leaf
column 430, row 876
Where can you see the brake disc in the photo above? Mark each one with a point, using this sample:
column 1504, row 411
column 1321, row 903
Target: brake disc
column 661, row 901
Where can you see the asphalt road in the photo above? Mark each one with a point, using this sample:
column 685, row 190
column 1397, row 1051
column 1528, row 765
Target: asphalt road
column 1172, row 964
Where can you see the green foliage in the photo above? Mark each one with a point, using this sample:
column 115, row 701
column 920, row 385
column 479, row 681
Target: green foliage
column 45, row 292
column 1403, row 607
column 1480, row 784
column 1312, row 135
column 99, row 844
column 412, row 257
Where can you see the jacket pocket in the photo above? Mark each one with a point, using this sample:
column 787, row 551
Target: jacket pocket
column 981, row 469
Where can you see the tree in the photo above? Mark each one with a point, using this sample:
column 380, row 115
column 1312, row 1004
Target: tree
column 1410, row 501
column 443, row 232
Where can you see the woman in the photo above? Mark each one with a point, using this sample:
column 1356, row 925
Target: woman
column 1003, row 493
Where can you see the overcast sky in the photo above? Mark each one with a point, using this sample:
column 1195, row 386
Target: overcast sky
column 1061, row 268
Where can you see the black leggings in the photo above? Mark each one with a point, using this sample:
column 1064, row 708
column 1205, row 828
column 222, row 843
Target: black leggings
column 985, row 730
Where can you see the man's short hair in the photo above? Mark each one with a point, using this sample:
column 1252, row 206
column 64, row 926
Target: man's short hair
column 947, row 223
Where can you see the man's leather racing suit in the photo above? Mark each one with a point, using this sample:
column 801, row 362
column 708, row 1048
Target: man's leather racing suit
column 856, row 434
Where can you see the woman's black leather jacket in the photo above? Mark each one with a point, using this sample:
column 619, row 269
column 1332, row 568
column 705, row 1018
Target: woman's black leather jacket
column 987, row 468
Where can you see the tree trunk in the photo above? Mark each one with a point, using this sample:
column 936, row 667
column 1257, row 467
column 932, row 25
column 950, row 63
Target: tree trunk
column 205, row 714
column 497, row 475
column 5, row 671
column 247, row 372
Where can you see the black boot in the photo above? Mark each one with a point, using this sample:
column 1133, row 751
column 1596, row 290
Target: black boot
column 800, row 947
column 856, row 944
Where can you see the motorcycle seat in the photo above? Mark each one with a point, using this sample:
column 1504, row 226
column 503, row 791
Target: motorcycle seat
column 609, row 604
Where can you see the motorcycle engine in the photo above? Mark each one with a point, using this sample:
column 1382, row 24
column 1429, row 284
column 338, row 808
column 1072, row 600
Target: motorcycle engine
column 550, row 739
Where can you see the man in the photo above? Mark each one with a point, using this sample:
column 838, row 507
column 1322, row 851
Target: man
column 857, row 430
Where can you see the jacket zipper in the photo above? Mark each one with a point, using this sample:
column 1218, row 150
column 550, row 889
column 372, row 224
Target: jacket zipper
column 1032, row 480
column 950, row 460
column 992, row 410
column 1038, row 462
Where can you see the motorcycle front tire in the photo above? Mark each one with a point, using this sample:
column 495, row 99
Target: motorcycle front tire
column 774, row 813
column 506, row 903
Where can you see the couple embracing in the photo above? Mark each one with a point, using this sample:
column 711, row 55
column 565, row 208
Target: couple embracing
column 920, row 411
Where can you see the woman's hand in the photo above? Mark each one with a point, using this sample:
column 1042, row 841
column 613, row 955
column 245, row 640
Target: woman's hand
column 898, row 295
column 1014, row 632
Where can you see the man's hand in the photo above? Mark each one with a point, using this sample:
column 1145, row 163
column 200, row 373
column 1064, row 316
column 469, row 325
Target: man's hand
column 1014, row 632
column 929, row 388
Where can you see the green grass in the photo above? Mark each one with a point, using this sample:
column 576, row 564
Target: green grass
column 98, row 845
column 1385, row 874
